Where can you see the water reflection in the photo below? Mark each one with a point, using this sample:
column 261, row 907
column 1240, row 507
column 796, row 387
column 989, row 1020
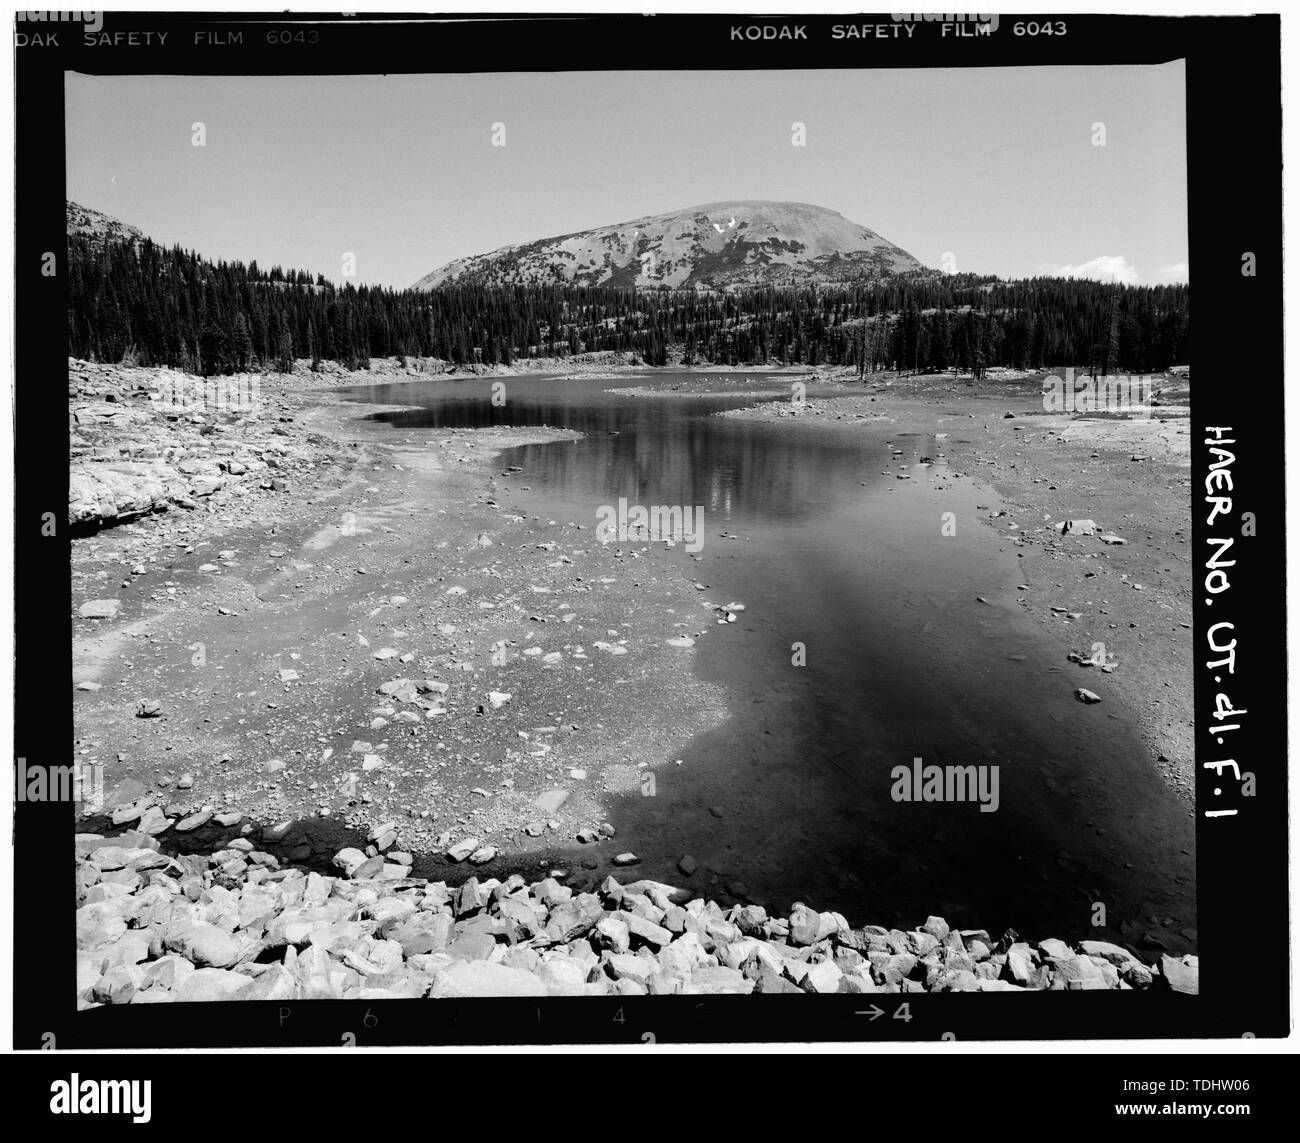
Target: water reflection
column 668, row 450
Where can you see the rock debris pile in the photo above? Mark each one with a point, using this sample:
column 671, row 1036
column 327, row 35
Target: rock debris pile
column 146, row 441
column 235, row 925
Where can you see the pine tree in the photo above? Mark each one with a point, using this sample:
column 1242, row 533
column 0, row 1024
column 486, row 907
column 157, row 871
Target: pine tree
column 241, row 343
column 214, row 349
column 1111, row 358
column 283, row 346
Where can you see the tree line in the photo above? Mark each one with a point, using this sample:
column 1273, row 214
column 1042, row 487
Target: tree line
column 136, row 301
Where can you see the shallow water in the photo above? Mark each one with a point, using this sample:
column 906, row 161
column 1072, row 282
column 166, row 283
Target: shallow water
column 903, row 660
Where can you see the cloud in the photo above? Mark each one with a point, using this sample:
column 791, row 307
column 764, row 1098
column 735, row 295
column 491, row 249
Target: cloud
column 1107, row 268
column 1117, row 268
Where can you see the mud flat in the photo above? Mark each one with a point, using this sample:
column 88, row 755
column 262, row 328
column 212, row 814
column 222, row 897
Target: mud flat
column 380, row 635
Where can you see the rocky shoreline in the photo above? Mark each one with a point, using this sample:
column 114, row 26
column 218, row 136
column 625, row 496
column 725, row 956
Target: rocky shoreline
column 148, row 441
column 238, row 923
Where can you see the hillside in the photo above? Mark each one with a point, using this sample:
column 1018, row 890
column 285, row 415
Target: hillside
column 84, row 222
column 717, row 246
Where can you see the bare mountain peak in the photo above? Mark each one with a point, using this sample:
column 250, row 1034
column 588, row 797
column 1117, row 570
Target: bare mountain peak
column 718, row 245
column 87, row 222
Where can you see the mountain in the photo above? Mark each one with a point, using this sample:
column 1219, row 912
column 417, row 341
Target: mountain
column 133, row 299
column 718, row 246
column 87, row 223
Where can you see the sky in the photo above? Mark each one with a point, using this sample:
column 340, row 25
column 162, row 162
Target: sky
column 983, row 170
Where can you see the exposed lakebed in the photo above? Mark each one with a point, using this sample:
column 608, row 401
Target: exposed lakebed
column 914, row 648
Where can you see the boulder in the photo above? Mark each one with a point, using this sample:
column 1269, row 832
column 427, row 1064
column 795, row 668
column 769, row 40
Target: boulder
column 1020, row 967
column 100, row 609
column 112, row 493
column 1181, row 974
column 1079, row 528
column 573, row 918
column 210, row 984
column 201, row 817
column 824, row 976
column 718, row 981
column 465, row 979
column 612, row 933
column 462, row 849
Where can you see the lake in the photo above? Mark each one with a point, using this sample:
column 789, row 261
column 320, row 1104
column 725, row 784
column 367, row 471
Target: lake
column 873, row 635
